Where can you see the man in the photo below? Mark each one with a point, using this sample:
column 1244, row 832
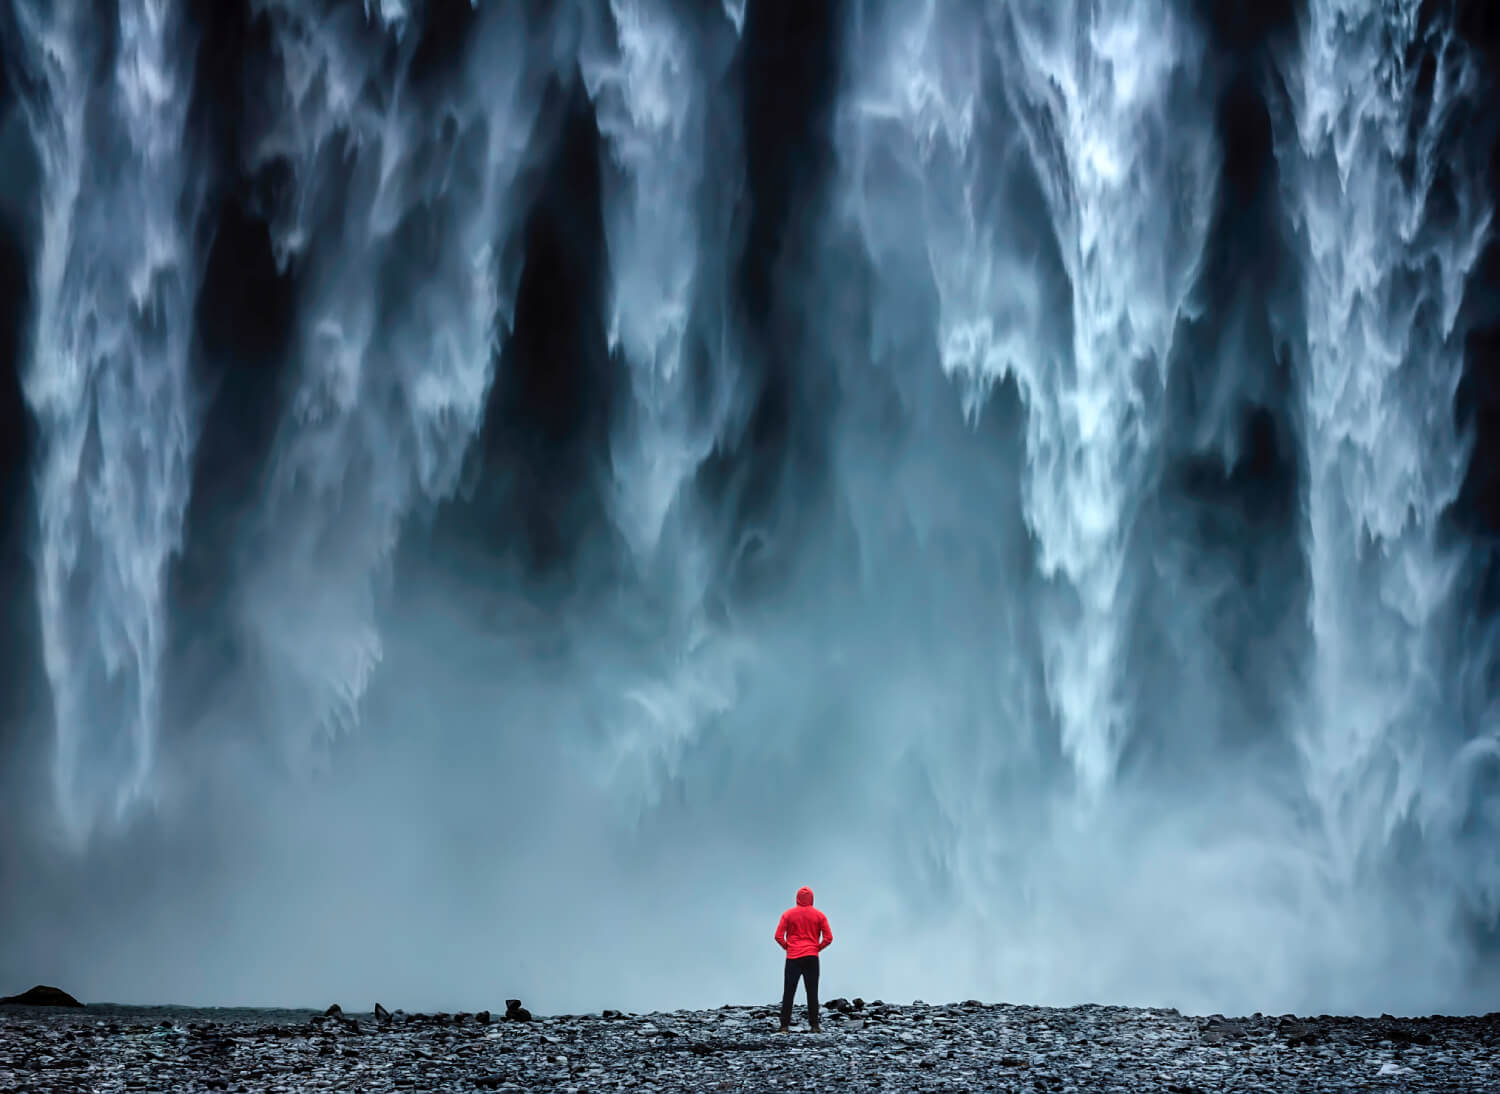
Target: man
column 803, row 933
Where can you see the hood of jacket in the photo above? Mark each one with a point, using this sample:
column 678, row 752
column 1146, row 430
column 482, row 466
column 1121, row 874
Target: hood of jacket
column 804, row 897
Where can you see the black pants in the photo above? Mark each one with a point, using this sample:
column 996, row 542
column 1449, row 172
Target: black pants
column 805, row 969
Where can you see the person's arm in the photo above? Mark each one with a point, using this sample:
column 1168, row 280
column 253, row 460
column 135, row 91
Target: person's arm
column 781, row 931
column 825, row 933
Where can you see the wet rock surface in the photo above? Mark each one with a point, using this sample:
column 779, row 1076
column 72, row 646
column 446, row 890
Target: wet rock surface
column 863, row 1046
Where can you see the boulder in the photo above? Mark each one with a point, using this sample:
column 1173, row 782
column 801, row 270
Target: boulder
column 41, row 996
column 514, row 1012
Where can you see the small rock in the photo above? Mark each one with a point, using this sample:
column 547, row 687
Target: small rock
column 483, row 1018
column 1219, row 1031
column 334, row 1011
column 381, row 1014
column 1298, row 1035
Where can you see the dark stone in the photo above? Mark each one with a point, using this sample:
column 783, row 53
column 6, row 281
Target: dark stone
column 1407, row 1035
column 859, row 1004
column 611, row 1014
column 483, row 1018
column 490, row 1082
column 514, row 1012
column 1300, row 1034
column 1219, row 1030
column 334, row 1011
column 41, row 996
column 381, row 1014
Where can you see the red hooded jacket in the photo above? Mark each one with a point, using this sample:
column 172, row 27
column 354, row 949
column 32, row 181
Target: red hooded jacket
column 803, row 930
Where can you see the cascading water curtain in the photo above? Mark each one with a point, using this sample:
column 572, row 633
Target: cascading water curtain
column 1392, row 214
column 109, row 379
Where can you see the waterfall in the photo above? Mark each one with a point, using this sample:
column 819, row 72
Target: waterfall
column 397, row 211
column 1018, row 466
column 1391, row 225
column 109, row 379
column 1101, row 102
column 654, row 80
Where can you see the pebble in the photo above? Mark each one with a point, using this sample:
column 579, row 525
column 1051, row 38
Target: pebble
column 880, row 1047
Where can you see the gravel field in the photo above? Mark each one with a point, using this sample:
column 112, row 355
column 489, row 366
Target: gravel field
column 862, row 1046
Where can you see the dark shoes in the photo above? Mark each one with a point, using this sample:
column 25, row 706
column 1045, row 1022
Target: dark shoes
column 784, row 1028
column 815, row 1027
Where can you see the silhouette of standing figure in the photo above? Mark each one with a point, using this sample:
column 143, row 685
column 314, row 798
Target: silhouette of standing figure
column 803, row 933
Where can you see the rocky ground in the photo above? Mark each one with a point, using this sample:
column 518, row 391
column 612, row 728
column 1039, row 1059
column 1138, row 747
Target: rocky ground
column 863, row 1046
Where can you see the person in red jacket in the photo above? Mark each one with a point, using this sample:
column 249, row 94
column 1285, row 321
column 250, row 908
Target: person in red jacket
column 803, row 933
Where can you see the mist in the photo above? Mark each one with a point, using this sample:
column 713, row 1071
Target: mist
column 496, row 496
